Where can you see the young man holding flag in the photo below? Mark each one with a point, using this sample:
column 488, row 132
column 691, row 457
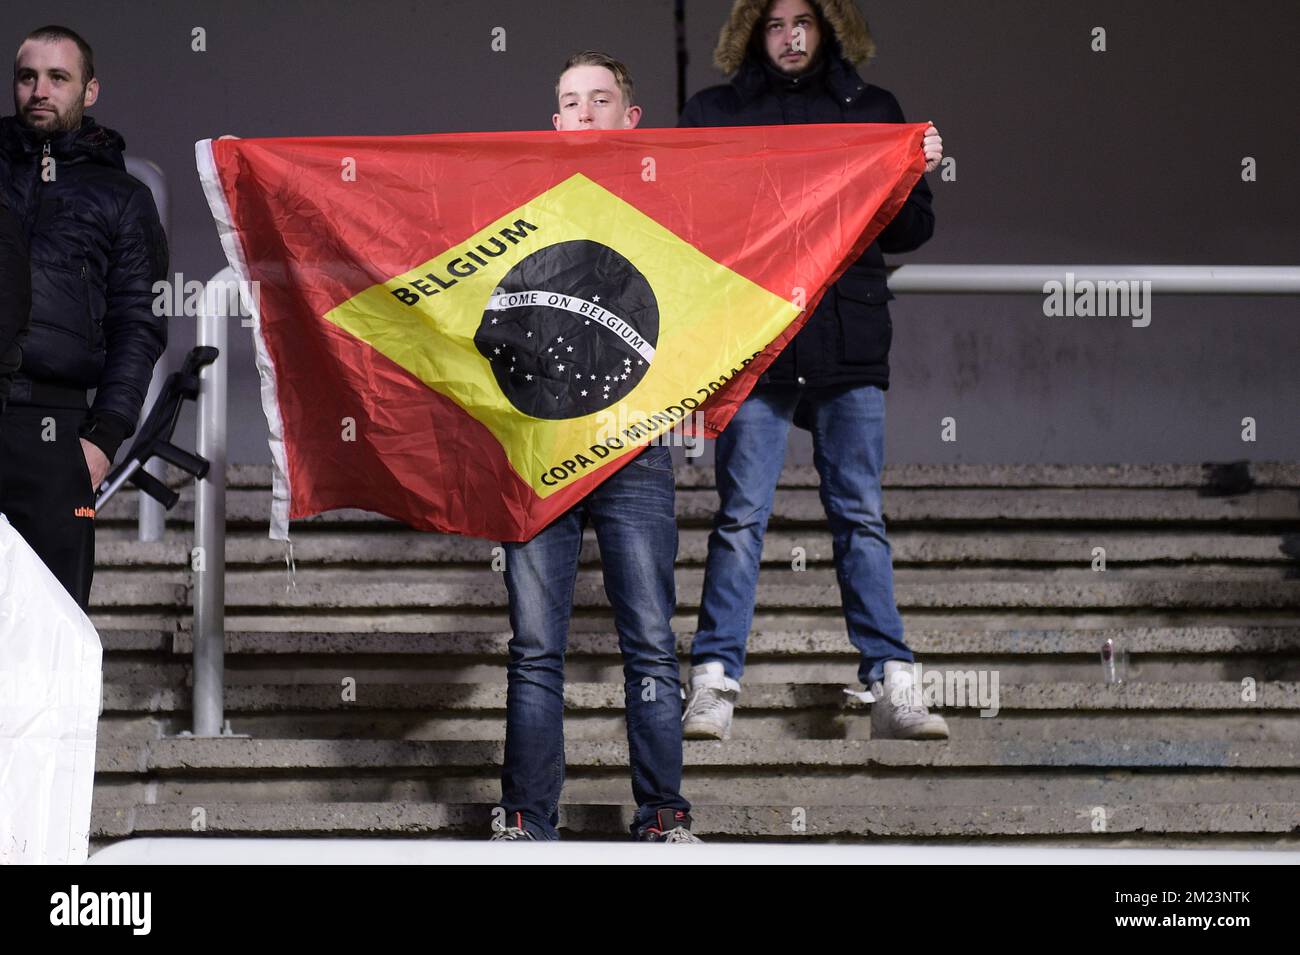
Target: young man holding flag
column 633, row 516
column 792, row 62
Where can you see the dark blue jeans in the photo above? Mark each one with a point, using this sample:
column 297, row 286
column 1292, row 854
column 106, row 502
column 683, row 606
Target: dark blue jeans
column 848, row 431
column 632, row 514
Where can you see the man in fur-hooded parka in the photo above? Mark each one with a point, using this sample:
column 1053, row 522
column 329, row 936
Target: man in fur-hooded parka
column 792, row 62
column 846, row 341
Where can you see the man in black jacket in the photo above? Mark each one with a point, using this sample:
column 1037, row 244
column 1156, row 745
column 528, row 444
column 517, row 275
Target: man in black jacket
column 793, row 62
column 96, row 249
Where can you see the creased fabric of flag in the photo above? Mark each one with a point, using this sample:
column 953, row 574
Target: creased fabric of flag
column 469, row 332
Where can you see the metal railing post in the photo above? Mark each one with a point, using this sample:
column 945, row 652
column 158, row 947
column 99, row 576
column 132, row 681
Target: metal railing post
column 153, row 516
column 209, row 561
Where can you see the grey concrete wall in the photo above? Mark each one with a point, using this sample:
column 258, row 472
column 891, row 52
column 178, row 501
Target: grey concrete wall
column 1063, row 155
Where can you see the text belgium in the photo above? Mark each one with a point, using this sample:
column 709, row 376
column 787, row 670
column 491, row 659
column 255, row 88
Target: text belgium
column 464, row 265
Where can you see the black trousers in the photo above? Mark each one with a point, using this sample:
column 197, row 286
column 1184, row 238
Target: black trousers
column 45, row 490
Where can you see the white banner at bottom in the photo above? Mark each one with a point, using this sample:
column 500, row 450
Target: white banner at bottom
column 50, row 659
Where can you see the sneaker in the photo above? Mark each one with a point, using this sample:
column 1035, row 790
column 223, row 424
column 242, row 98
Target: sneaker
column 670, row 825
column 898, row 712
column 515, row 833
column 711, row 703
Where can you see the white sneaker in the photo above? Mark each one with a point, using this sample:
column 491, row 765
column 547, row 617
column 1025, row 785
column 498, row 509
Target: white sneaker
column 898, row 712
column 512, row 834
column 710, row 704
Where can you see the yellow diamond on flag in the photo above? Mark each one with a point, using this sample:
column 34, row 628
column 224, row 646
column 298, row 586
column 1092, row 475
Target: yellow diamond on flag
column 570, row 327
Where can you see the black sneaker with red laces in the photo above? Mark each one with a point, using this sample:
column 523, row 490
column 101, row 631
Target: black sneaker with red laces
column 670, row 825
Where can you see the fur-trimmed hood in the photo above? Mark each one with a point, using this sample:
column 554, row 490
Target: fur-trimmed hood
column 846, row 22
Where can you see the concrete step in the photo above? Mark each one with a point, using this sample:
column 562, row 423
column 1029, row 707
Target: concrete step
column 993, row 576
column 725, row 786
column 1269, row 824
column 980, row 505
column 427, row 697
column 161, row 622
column 956, row 640
column 117, row 546
column 320, row 588
column 1009, row 672
column 828, row 658
column 330, row 671
column 209, row 756
column 790, row 726
column 1261, row 473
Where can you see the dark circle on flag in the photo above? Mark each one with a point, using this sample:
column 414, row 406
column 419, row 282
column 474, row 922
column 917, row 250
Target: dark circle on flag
column 582, row 343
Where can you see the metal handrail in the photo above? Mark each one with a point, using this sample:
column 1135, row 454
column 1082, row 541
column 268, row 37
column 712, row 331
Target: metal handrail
column 210, row 496
column 153, row 516
column 1164, row 279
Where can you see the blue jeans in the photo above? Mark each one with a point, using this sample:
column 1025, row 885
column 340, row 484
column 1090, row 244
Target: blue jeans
column 632, row 513
column 848, row 431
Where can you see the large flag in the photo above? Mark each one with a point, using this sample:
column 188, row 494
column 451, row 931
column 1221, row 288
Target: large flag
column 469, row 332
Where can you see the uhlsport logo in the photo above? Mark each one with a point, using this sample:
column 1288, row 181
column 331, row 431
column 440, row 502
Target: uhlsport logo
column 571, row 330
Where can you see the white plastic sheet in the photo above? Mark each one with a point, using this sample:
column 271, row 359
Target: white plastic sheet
column 50, row 659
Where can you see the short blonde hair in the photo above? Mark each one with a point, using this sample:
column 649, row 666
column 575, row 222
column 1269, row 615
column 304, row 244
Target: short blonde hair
column 622, row 76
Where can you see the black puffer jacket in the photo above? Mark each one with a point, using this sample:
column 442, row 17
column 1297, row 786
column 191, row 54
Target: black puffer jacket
column 847, row 339
column 15, row 297
column 96, row 248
